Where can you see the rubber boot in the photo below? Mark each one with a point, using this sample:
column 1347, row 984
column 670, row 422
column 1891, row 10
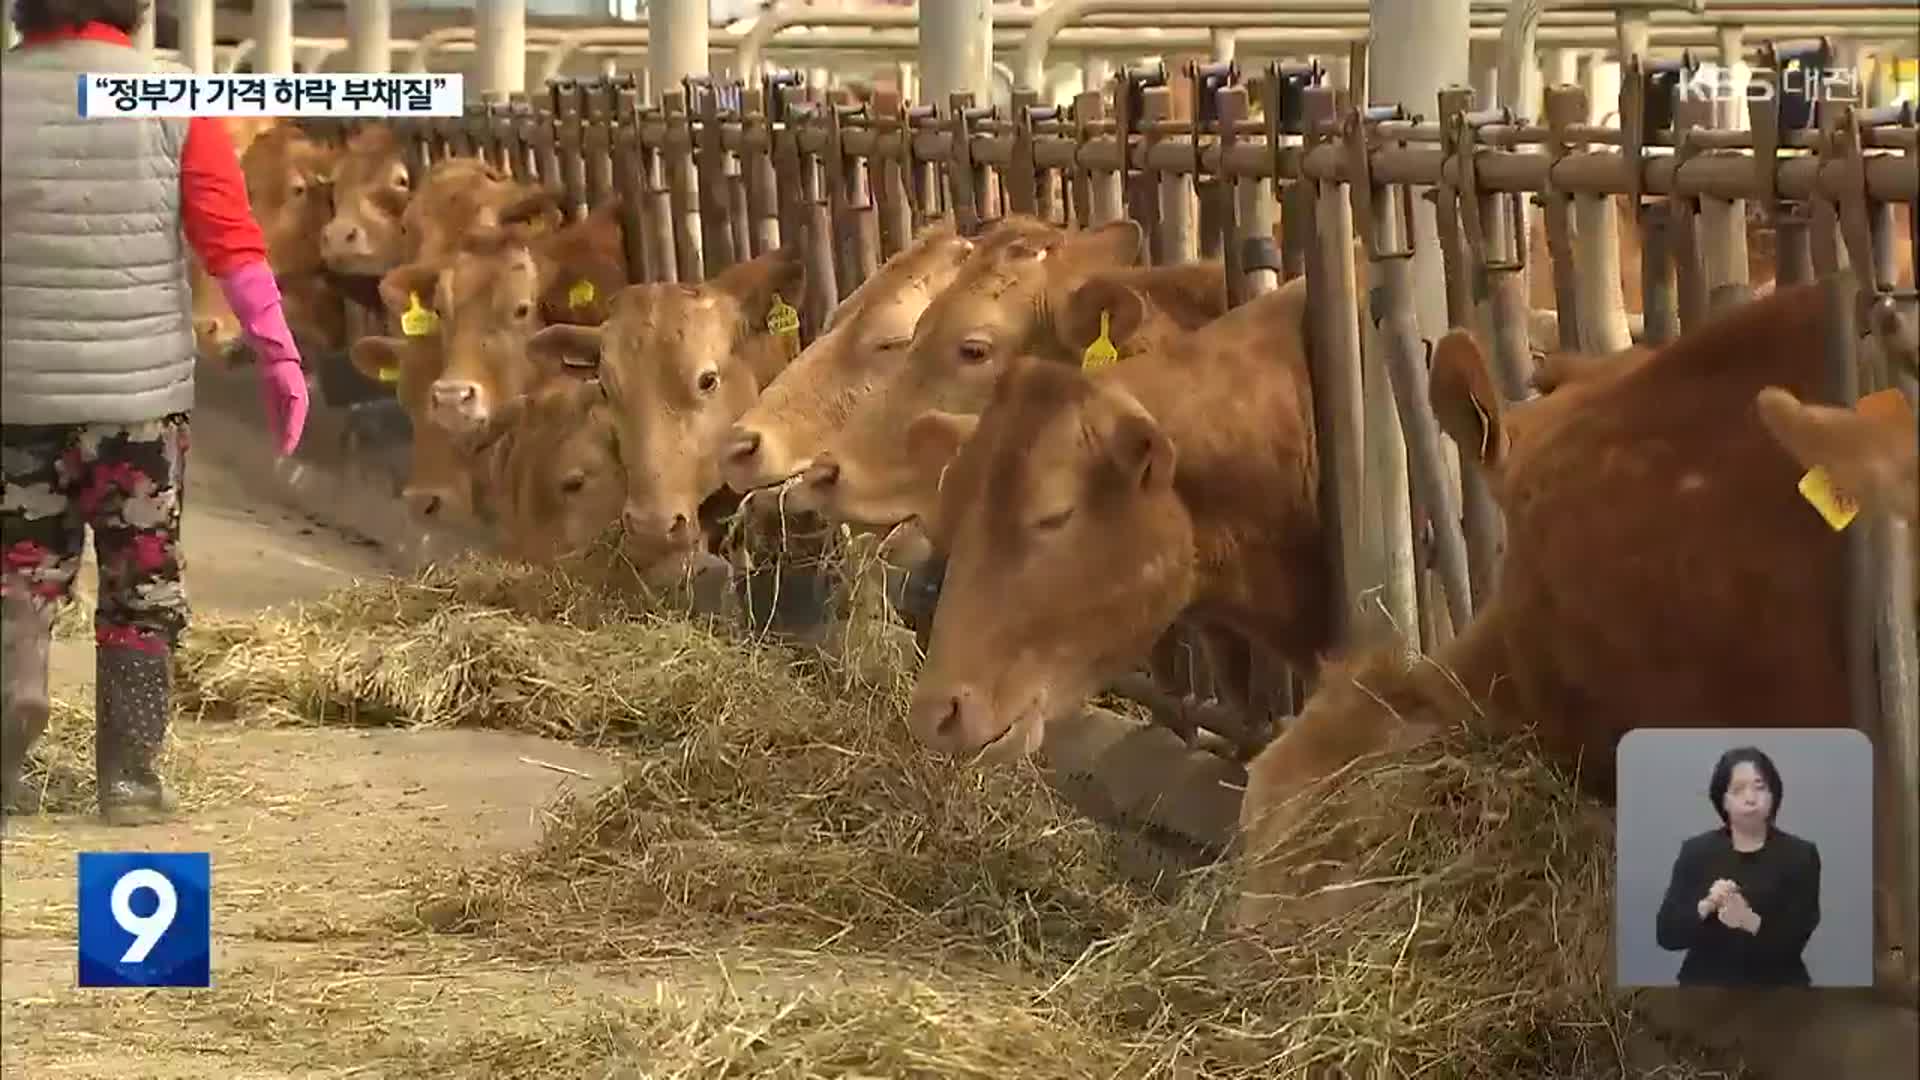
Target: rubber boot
column 130, row 727
column 25, row 643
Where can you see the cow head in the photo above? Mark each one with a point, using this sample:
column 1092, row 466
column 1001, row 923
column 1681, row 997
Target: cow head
column 863, row 343
column 1068, row 554
column 439, row 486
column 485, row 304
column 372, row 186
column 289, row 178
column 681, row 364
column 549, row 462
column 995, row 309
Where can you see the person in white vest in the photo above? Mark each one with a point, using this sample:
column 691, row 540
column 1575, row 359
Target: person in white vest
column 96, row 378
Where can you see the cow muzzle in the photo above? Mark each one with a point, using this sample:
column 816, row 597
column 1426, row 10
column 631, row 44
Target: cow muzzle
column 957, row 720
column 457, row 406
column 344, row 239
column 427, row 503
column 666, row 530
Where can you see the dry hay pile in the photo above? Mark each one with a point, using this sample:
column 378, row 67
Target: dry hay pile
column 875, row 912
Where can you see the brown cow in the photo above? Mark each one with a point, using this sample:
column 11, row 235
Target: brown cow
column 547, row 470
column 288, row 174
column 1649, row 516
column 216, row 330
column 372, row 186
column 997, row 307
column 1082, row 514
column 383, row 216
column 863, row 341
column 439, row 486
column 491, row 295
column 487, row 334
column 682, row 363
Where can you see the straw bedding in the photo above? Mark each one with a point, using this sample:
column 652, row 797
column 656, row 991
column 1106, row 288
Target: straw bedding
column 907, row 917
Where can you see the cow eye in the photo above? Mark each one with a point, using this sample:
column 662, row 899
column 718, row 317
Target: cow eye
column 573, row 483
column 298, row 190
column 1053, row 521
column 709, row 381
column 522, row 310
column 974, row 350
column 402, row 181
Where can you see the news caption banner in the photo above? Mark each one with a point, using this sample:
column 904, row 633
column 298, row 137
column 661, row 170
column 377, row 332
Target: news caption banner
column 183, row 94
column 145, row 919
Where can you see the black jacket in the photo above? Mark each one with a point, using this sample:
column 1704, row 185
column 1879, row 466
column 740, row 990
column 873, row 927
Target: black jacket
column 1781, row 883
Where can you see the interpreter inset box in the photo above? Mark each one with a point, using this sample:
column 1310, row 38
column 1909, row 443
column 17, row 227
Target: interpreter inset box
column 1744, row 857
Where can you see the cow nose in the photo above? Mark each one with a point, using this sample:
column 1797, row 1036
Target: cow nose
column 423, row 503
column 823, row 473
column 345, row 235
column 742, row 444
column 942, row 718
column 679, row 530
column 455, row 395
column 206, row 328
column 675, row 529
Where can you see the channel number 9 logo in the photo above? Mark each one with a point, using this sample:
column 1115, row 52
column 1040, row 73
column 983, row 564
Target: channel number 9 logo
column 144, row 919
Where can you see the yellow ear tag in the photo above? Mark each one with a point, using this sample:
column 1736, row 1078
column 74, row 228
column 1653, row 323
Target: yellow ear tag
column 390, row 374
column 782, row 320
column 417, row 321
column 581, row 294
column 1100, row 351
column 1817, row 488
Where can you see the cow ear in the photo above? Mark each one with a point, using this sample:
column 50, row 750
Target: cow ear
column 1142, row 452
column 1564, row 367
column 1868, row 451
column 379, row 358
column 1117, row 243
column 1125, row 310
column 935, row 438
column 535, row 206
column 400, row 285
column 756, row 283
column 390, row 201
column 566, row 349
column 1461, row 392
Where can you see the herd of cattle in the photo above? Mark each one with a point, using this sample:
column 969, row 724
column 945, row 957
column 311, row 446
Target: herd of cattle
column 1661, row 566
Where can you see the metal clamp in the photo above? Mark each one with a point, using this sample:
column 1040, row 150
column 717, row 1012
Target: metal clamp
column 1129, row 104
column 1286, row 107
column 1466, row 149
column 1208, row 80
column 1814, row 58
column 777, row 89
column 1357, row 130
column 1856, row 230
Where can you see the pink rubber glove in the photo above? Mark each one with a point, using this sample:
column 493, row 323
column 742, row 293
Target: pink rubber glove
column 254, row 296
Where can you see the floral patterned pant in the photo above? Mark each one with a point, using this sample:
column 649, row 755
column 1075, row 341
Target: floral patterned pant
column 123, row 480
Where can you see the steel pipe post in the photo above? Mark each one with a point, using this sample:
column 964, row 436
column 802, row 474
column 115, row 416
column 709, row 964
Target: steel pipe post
column 370, row 35
column 273, row 35
column 956, row 50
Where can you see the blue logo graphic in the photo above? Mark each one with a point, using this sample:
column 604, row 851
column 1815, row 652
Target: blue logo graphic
column 145, row 919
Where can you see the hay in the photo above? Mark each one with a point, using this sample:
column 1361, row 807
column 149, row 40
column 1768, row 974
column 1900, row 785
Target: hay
column 775, row 808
